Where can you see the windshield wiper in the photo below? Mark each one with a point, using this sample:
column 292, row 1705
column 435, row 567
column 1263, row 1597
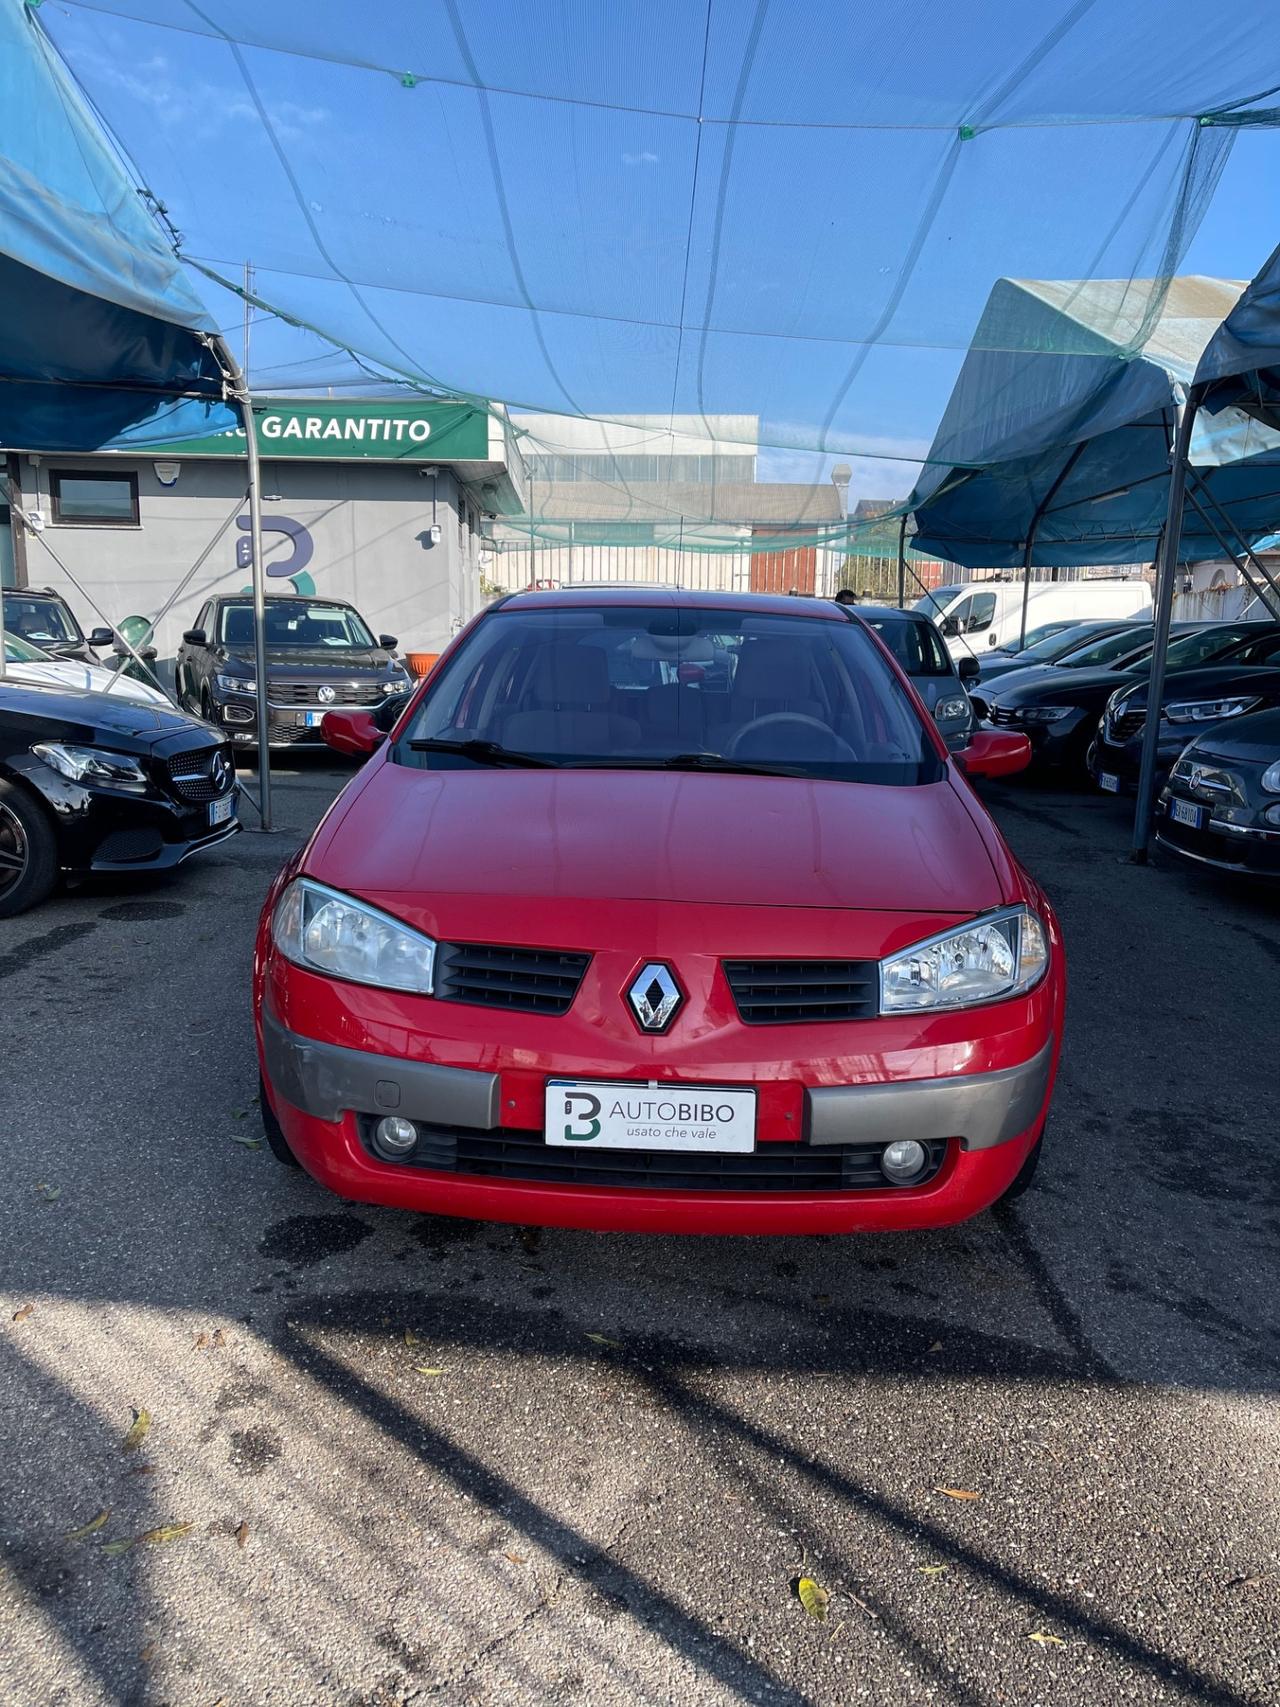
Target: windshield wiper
column 484, row 752
column 687, row 762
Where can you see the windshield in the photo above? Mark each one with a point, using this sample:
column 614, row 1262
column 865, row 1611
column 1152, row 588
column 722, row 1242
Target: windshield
column 294, row 622
column 651, row 686
column 44, row 621
column 1036, row 638
column 1055, row 640
column 1193, row 649
column 21, row 651
column 935, row 602
column 915, row 645
column 1100, row 653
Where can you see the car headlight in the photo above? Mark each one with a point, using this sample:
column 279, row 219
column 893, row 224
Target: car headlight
column 1207, row 710
column 398, row 684
column 1271, row 778
column 235, row 684
column 91, row 764
column 1002, row 955
column 957, row 706
column 1045, row 713
column 325, row 931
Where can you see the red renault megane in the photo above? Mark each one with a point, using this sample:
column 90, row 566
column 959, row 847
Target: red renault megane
column 662, row 910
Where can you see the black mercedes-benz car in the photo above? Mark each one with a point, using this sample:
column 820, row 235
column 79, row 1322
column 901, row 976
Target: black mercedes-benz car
column 45, row 619
column 1221, row 805
column 1059, row 706
column 320, row 656
column 96, row 782
column 1246, row 679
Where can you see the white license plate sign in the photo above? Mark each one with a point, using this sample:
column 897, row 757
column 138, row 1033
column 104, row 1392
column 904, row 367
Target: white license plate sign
column 1108, row 782
column 220, row 810
column 590, row 1114
column 1183, row 812
column 314, row 719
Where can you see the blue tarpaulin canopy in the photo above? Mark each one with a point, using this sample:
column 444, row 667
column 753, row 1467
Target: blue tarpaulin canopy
column 1242, row 363
column 100, row 328
column 1054, row 447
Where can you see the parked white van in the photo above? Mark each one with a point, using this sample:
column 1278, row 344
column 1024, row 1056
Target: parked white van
column 984, row 614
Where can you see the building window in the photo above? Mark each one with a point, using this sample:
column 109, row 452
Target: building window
column 94, row 500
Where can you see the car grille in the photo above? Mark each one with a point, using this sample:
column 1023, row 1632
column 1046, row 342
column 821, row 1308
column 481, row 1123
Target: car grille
column 1124, row 726
column 981, row 706
column 516, row 1154
column 792, row 992
column 189, row 773
column 1002, row 714
column 530, row 980
column 123, row 847
column 308, row 693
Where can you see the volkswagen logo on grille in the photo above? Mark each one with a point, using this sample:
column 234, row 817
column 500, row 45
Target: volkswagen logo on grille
column 221, row 772
column 655, row 997
column 326, row 696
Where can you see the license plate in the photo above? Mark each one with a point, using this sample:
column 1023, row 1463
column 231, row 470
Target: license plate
column 220, row 810
column 313, row 719
column 1108, row 782
column 588, row 1114
column 1183, row 812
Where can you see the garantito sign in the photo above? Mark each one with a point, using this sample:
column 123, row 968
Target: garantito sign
column 356, row 431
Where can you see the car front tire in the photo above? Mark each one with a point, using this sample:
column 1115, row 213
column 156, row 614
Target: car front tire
column 277, row 1143
column 1025, row 1176
column 28, row 851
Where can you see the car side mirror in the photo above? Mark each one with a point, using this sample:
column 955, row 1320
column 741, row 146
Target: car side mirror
column 352, row 732
column 967, row 668
column 388, row 642
column 195, row 637
column 101, row 637
column 994, row 752
column 949, row 626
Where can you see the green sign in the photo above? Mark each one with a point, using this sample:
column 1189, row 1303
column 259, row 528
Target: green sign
column 355, row 431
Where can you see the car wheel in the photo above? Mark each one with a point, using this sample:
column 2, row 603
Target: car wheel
column 206, row 706
column 1025, row 1176
column 277, row 1143
column 28, row 851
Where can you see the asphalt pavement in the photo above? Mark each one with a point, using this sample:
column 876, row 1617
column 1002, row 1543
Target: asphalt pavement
column 353, row 1456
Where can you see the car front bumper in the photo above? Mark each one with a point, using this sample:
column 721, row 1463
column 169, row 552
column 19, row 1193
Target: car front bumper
column 1052, row 744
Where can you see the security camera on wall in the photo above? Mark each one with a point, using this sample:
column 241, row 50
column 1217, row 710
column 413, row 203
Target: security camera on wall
column 435, row 533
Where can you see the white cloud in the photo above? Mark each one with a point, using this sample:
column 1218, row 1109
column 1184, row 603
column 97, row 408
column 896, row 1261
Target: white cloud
column 644, row 158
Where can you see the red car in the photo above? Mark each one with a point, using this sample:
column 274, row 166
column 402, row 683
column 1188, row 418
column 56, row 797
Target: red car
column 668, row 911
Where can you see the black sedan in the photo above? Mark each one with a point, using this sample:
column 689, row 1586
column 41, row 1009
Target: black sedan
column 1063, row 639
column 1222, row 803
column 320, row 657
column 1248, row 679
column 95, row 782
column 1059, row 706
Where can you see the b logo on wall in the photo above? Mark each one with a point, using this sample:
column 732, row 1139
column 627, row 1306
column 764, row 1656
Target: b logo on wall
column 292, row 567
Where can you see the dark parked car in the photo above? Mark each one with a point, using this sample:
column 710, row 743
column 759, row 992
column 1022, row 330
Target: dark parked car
column 320, row 656
column 1246, row 679
column 1222, row 802
column 46, row 620
column 97, row 782
column 1061, row 640
column 1060, row 705
column 919, row 649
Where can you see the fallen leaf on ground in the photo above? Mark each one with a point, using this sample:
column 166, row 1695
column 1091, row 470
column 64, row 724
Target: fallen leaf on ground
column 91, row 1528
column 219, row 1338
column 166, row 1532
column 599, row 1339
column 936, row 1346
column 410, row 1338
column 515, row 1558
column 1249, row 1582
column 113, row 1549
column 822, row 1297
column 242, row 1535
column 143, row 1470
column 243, row 1139
column 932, row 1570
column 423, row 1370
column 50, row 1193
column 26, row 1310
column 958, row 1493
column 813, row 1597
column 1045, row 1641
column 202, row 1341
column 138, row 1433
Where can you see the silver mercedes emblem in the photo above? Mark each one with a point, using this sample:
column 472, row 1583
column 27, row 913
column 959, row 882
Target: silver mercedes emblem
column 326, row 696
column 654, row 996
column 220, row 771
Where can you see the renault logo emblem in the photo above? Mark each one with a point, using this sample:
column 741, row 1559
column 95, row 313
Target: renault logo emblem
column 326, row 695
column 654, row 996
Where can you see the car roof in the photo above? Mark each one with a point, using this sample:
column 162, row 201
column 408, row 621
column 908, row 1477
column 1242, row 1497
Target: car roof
column 671, row 598
column 881, row 613
column 281, row 599
column 34, row 593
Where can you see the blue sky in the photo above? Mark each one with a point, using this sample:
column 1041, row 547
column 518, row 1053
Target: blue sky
column 838, row 244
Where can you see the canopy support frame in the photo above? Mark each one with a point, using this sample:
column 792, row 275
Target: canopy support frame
column 1041, row 510
column 1239, row 562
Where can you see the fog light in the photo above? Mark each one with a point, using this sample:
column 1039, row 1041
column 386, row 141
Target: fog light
column 394, row 1137
column 904, row 1161
column 1272, row 816
column 237, row 714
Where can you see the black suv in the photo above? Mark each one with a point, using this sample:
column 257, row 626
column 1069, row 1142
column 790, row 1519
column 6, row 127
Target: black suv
column 320, row 655
column 46, row 620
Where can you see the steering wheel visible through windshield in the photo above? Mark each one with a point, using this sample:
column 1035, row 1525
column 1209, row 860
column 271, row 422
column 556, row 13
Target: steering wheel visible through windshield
column 650, row 687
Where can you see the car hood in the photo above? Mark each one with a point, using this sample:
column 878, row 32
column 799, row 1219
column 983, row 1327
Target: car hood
column 84, row 678
column 82, row 712
column 1252, row 739
column 1050, row 685
column 1210, row 680
column 660, row 836
column 340, row 660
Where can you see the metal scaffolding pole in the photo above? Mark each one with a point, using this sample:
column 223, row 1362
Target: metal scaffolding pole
column 1257, row 562
column 902, row 562
column 1170, row 546
column 240, row 395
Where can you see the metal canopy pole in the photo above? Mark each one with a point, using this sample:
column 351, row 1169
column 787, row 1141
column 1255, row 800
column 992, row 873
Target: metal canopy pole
column 240, row 394
column 1171, row 544
column 902, row 562
column 1041, row 510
